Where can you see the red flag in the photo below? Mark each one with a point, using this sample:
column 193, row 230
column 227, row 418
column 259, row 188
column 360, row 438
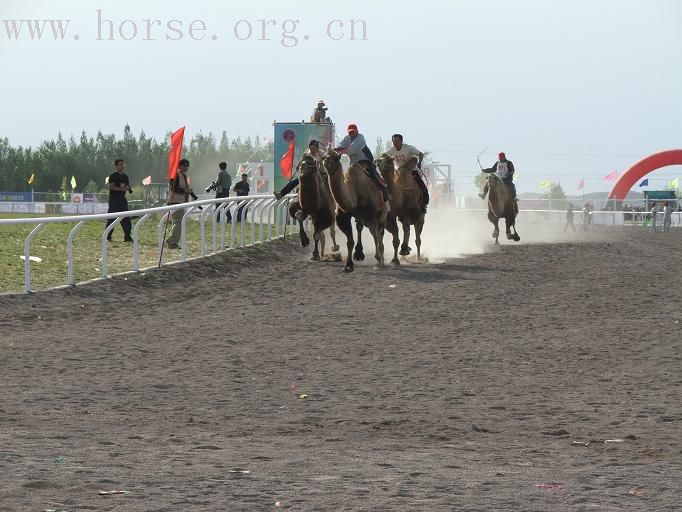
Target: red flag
column 147, row 180
column 581, row 185
column 287, row 162
column 612, row 176
column 174, row 155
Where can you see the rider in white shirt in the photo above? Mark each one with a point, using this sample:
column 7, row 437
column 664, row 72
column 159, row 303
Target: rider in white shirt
column 401, row 153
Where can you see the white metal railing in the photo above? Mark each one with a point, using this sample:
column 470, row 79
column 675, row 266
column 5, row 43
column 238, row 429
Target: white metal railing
column 263, row 210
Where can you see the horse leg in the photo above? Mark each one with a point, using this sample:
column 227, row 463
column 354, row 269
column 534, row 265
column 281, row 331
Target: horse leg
column 359, row 254
column 343, row 220
column 392, row 226
column 405, row 247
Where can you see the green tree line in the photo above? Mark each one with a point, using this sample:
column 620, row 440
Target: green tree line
column 91, row 159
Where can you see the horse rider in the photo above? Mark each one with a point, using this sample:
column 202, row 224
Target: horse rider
column 503, row 169
column 355, row 147
column 401, row 153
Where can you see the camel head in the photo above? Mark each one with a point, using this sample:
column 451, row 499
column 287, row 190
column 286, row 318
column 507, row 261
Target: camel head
column 308, row 166
column 384, row 163
column 332, row 161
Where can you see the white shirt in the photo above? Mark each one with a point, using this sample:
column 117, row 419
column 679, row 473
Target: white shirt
column 318, row 156
column 502, row 171
column 402, row 155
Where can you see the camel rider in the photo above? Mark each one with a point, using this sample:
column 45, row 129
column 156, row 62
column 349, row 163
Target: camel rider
column 355, row 147
column 503, row 169
column 401, row 153
column 317, row 154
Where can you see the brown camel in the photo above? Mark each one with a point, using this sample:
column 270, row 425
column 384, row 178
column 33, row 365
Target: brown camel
column 356, row 196
column 405, row 205
column 501, row 205
column 315, row 199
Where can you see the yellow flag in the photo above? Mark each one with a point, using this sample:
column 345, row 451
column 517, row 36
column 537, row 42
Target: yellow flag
column 106, row 180
column 674, row 184
column 545, row 184
column 73, row 182
column 30, row 180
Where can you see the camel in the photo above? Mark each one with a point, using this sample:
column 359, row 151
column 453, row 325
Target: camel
column 405, row 205
column 356, row 196
column 314, row 199
column 501, row 205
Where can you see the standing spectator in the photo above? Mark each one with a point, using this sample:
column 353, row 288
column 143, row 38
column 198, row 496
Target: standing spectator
column 586, row 216
column 180, row 194
column 667, row 216
column 119, row 184
column 654, row 215
column 569, row 218
column 242, row 188
column 223, row 182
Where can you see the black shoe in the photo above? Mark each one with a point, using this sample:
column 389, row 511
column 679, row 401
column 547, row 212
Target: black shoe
column 128, row 239
column 108, row 239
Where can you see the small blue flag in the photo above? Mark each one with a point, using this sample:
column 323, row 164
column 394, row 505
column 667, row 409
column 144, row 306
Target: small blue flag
column 645, row 183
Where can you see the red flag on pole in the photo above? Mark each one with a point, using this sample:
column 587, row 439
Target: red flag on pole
column 174, row 155
column 147, row 180
column 287, row 162
column 581, row 185
column 612, row 176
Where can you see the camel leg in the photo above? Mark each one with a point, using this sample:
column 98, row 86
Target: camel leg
column 322, row 243
column 359, row 254
column 496, row 231
column 405, row 247
column 515, row 236
column 343, row 220
column 296, row 213
column 332, row 231
column 418, row 227
column 316, row 253
column 392, row 226
column 378, row 235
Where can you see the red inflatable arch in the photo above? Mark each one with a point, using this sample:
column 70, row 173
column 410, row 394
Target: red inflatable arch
column 642, row 168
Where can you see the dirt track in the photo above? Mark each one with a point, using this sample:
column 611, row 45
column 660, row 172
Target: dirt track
column 446, row 386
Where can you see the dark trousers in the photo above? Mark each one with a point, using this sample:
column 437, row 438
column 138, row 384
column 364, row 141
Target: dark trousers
column 125, row 221
column 218, row 195
column 422, row 186
column 376, row 177
column 289, row 187
column 239, row 213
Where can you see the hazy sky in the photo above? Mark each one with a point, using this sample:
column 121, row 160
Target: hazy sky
column 567, row 88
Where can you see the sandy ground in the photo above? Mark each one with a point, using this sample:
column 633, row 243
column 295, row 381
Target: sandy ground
column 259, row 380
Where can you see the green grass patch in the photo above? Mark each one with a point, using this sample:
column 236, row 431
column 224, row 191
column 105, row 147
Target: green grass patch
column 50, row 246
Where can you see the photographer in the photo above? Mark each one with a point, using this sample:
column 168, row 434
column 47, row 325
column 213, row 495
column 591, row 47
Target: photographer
column 221, row 185
column 320, row 114
column 180, row 193
column 119, row 184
